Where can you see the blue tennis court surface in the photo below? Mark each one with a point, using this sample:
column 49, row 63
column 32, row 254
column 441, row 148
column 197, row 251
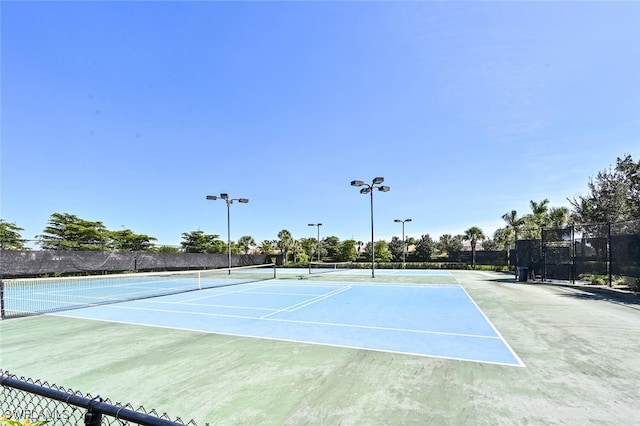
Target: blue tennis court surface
column 426, row 320
column 367, row 272
column 405, row 272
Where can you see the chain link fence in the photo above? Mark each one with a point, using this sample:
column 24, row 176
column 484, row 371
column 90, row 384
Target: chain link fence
column 557, row 253
column 624, row 244
column 602, row 249
column 528, row 255
column 26, row 399
column 591, row 249
column 20, row 263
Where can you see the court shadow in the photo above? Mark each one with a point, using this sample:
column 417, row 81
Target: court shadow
column 510, row 278
column 505, row 280
column 629, row 299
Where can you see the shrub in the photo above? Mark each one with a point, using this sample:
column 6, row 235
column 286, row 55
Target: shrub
column 6, row 420
column 594, row 279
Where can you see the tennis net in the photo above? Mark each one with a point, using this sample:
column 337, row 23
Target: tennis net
column 327, row 267
column 32, row 296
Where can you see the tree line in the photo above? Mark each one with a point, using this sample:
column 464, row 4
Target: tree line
column 614, row 195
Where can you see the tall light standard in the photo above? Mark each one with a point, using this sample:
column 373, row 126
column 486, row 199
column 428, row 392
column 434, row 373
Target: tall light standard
column 404, row 244
column 229, row 202
column 368, row 189
column 318, row 225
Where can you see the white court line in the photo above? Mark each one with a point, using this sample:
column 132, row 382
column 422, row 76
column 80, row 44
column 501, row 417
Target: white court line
column 333, row 345
column 366, row 327
column 504, row 341
column 153, row 300
column 218, row 293
column 496, row 337
column 309, row 302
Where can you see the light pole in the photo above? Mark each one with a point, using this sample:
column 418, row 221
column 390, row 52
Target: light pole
column 318, row 225
column 229, row 202
column 404, row 245
column 368, row 189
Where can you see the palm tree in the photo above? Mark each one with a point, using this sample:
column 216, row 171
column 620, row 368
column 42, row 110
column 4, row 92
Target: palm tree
column 266, row 247
column 448, row 244
column 285, row 243
column 473, row 234
column 540, row 212
column 504, row 238
column 246, row 242
column 511, row 230
column 539, row 209
column 533, row 223
column 298, row 252
column 559, row 217
column 512, row 219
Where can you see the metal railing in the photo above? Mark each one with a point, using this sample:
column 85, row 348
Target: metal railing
column 22, row 398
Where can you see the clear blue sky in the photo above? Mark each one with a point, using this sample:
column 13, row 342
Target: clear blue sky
column 130, row 113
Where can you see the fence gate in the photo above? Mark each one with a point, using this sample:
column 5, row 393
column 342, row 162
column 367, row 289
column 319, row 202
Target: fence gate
column 528, row 255
column 625, row 248
column 591, row 249
column 557, row 254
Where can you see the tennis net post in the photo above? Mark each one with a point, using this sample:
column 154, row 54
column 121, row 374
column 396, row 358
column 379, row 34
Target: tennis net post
column 1, row 298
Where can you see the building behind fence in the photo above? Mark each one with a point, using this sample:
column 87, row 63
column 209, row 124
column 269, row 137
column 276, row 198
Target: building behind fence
column 23, row 398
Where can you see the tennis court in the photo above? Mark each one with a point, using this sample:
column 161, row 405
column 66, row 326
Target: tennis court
column 439, row 320
column 435, row 320
column 408, row 347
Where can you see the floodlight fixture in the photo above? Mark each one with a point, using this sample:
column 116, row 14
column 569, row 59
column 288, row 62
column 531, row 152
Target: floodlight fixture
column 229, row 201
column 404, row 243
column 318, row 225
column 368, row 189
